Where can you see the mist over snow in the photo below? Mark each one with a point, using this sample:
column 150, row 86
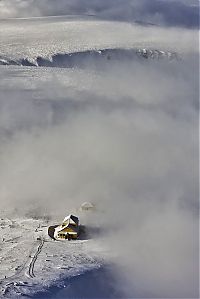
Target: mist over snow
column 183, row 13
column 121, row 134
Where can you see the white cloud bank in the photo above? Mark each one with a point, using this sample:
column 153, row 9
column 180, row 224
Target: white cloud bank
column 125, row 139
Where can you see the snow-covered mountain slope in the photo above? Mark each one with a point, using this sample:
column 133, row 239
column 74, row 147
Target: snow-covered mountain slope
column 92, row 58
column 99, row 122
column 30, row 39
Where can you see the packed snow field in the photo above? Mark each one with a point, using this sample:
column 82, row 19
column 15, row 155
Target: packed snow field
column 31, row 261
column 110, row 117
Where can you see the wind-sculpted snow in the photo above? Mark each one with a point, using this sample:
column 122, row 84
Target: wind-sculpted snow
column 92, row 58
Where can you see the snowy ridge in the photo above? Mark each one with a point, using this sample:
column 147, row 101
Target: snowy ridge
column 81, row 59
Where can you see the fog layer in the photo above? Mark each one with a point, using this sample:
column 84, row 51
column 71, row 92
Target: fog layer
column 123, row 135
column 124, row 138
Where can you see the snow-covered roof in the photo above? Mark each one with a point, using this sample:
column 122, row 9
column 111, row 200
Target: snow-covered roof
column 68, row 221
column 87, row 206
column 71, row 219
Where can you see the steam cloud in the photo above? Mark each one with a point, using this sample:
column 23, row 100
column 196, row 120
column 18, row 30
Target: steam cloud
column 123, row 137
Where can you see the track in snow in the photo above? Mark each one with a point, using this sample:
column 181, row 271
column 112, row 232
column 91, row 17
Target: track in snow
column 32, row 263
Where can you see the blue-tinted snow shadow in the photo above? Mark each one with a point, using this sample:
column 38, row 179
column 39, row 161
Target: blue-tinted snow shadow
column 97, row 283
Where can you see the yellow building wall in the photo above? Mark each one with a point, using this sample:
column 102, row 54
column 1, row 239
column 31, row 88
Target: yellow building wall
column 68, row 230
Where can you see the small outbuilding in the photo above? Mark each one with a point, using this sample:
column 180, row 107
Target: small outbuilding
column 69, row 229
column 87, row 206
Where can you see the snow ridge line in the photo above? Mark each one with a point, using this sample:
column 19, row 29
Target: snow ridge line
column 82, row 59
column 32, row 263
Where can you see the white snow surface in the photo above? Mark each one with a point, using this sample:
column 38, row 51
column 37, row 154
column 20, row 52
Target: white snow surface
column 28, row 265
column 45, row 37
